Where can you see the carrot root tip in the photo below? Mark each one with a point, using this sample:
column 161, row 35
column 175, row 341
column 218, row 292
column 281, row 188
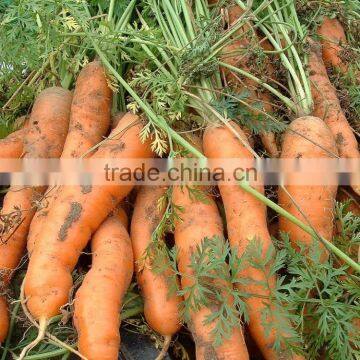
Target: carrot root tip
column 39, row 338
column 164, row 350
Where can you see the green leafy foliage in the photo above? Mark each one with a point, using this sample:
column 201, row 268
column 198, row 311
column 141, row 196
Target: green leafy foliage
column 348, row 230
column 325, row 297
column 212, row 286
column 237, row 107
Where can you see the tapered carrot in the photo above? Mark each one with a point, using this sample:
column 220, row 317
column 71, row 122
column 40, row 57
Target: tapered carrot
column 45, row 137
column 99, row 299
column 333, row 40
column 90, row 111
column 313, row 204
column 89, row 124
column 74, row 217
column 161, row 309
column 327, row 107
column 246, row 221
column 201, row 220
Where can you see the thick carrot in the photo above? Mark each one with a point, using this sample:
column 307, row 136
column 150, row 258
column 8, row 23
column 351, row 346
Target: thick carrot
column 234, row 54
column 90, row 111
column 333, row 38
column 246, row 221
column 99, row 299
column 161, row 309
column 89, row 124
column 327, row 107
column 74, row 217
column 45, row 137
column 201, row 220
column 313, row 204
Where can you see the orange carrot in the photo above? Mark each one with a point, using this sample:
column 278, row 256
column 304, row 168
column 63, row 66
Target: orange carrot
column 161, row 309
column 99, row 299
column 246, row 221
column 313, row 204
column 12, row 146
column 89, row 123
column 74, row 217
column 333, row 39
column 45, row 137
column 327, row 107
column 201, row 220
column 90, row 111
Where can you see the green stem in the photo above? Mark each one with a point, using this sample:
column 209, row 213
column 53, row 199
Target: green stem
column 302, row 95
column 288, row 102
column 245, row 186
column 159, row 121
column 47, row 355
column 11, row 329
column 111, row 10
column 124, row 20
column 66, row 81
column 176, row 22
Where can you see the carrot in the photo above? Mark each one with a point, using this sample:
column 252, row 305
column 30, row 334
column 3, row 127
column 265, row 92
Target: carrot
column 233, row 55
column 246, row 221
column 4, row 319
column 12, row 146
column 45, row 137
column 201, row 220
column 99, row 299
column 89, row 123
column 90, row 111
column 313, row 204
column 333, row 39
column 74, row 217
column 327, row 107
column 161, row 309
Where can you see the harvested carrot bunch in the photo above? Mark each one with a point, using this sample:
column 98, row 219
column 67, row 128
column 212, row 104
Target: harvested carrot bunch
column 213, row 212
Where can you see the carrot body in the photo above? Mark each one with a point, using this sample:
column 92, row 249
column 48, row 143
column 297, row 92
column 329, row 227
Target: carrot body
column 316, row 202
column 327, row 107
column 74, row 217
column 44, row 137
column 246, row 221
column 90, row 111
column 12, row 146
column 99, row 299
column 89, row 123
column 333, row 38
column 160, row 308
column 200, row 221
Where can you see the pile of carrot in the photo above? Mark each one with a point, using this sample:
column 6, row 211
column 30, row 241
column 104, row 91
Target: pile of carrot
column 53, row 226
